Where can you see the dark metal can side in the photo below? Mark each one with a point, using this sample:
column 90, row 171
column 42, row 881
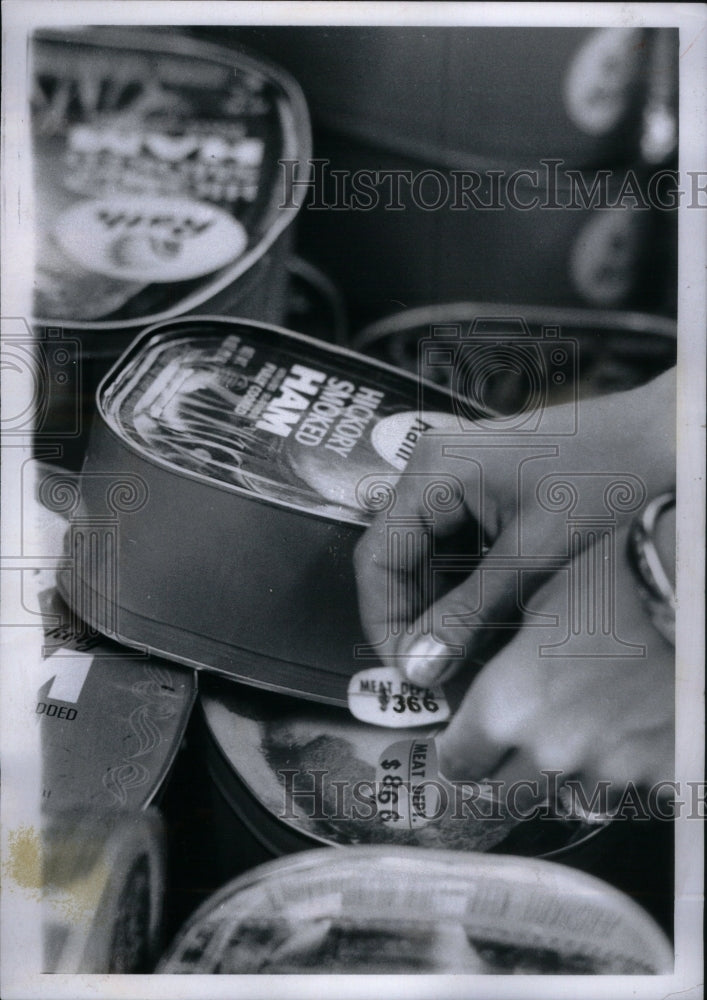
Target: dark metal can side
column 509, row 97
column 429, row 244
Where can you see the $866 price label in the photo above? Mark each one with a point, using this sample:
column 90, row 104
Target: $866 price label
column 409, row 791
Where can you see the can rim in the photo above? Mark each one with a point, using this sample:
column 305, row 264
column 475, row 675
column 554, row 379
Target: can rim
column 466, row 311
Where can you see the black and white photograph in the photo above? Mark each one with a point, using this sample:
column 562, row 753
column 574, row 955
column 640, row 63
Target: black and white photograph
column 353, row 542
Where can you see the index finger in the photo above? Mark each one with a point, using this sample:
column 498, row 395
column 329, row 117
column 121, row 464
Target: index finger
column 393, row 562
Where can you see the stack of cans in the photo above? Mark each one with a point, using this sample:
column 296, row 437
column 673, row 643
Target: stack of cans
column 202, row 645
column 286, row 444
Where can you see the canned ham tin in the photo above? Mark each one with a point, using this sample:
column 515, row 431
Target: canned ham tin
column 256, row 458
column 289, row 775
column 403, row 910
column 112, row 721
column 158, row 193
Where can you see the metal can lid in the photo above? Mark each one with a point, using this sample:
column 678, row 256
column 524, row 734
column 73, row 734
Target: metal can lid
column 316, row 770
column 402, row 910
column 154, row 164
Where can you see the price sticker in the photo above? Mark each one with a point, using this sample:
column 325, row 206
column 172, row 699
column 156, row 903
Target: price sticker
column 409, row 790
column 150, row 238
column 383, row 696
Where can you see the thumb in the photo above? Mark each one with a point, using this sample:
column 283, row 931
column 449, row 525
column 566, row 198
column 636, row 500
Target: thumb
column 478, row 616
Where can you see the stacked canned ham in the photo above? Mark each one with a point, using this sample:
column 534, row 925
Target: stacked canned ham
column 232, row 466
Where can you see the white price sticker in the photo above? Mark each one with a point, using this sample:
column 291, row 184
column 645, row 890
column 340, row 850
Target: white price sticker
column 409, row 790
column 384, row 697
column 150, row 239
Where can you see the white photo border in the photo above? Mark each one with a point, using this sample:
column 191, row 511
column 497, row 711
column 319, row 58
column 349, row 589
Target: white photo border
column 19, row 981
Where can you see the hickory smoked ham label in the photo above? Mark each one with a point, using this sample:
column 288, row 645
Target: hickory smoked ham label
column 284, row 418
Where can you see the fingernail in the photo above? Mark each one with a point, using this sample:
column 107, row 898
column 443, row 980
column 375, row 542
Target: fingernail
column 428, row 662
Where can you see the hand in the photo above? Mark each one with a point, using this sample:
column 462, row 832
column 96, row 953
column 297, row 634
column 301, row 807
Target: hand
column 501, row 484
column 594, row 718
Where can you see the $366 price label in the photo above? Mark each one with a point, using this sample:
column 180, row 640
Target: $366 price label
column 383, row 696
